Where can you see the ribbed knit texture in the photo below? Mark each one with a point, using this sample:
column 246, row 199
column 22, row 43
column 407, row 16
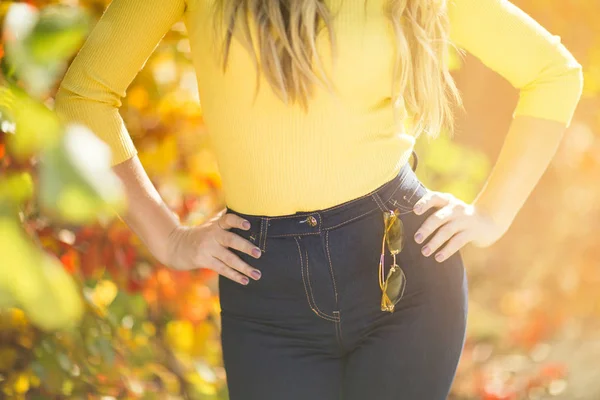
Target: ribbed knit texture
column 276, row 159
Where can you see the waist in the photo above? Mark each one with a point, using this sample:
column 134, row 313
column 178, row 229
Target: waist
column 306, row 178
column 400, row 193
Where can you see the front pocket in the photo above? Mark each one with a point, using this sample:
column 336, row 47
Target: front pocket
column 279, row 291
column 319, row 284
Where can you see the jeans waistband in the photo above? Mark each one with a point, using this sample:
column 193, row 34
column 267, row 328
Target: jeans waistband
column 314, row 222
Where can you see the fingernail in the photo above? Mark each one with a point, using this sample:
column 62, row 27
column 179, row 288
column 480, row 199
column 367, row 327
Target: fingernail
column 426, row 251
column 245, row 281
column 256, row 252
column 246, row 225
column 256, row 274
column 418, row 237
column 418, row 208
column 439, row 256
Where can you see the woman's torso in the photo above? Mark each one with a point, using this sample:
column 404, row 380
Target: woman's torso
column 277, row 159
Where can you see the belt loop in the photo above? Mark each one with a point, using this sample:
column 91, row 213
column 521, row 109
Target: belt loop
column 262, row 239
column 379, row 202
column 416, row 160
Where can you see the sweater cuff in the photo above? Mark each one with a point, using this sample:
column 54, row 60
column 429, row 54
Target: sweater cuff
column 555, row 100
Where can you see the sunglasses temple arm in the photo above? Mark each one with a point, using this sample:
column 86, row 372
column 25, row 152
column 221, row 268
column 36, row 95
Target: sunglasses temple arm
column 381, row 271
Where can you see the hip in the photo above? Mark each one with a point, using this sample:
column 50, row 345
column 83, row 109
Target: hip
column 322, row 264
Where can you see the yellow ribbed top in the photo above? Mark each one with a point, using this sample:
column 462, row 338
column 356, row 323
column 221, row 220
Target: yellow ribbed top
column 276, row 159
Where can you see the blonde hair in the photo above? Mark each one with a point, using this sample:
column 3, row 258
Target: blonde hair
column 422, row 87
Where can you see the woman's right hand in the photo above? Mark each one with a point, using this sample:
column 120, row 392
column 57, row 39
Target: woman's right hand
column 207, row 246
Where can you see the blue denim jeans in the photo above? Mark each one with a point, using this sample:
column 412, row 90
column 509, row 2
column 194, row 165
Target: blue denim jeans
column 312, row 326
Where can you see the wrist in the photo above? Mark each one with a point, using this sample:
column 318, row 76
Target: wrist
column 498, row 214
column 165, row 246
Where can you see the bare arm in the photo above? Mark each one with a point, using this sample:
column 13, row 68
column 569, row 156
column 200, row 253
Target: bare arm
column 91, row 94
column 528, row 149
column 550, row 82
column 147, row 214
column 549, row 78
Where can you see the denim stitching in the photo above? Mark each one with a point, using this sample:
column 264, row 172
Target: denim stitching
column 311, row 291
column 260, row 233
column 303, row 214
column 379, row 202
column 302, row 272
column 407, row 204
column 290, row 216
column 320, row 220
column 350, row 220
column 396, row 188
column 265, row 234
column 412, row 195
column 262, row 221
column 394, row 203
column 331, row 269
column 265, row 239
column 314, row 307
column 407, row 211
column 264, row 244
column 374, row 195
column 296, row 234
column 408, row 207
column 338, row 331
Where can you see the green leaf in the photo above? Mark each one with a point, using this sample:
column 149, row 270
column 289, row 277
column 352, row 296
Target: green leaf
column 17, row 187
column 77, row 183
column 39, row 43
column 37, row 127
column 58, row 34
column 35, row 281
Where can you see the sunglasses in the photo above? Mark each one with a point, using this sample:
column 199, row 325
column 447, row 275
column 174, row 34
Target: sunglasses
column 393, row 284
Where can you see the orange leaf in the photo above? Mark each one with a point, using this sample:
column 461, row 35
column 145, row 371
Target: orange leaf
column 70, row 260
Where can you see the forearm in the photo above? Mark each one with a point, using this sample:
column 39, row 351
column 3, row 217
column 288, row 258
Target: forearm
column 146, row 214
column 527, row 151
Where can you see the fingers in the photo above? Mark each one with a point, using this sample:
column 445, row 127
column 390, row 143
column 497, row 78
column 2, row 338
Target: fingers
column 448, row 223
column 221, row 268
column 429, row 200
column 229, row 239
column 228, row 221
column 455, row 243
column 232, row 261
column 433, row 222
column 444, row 234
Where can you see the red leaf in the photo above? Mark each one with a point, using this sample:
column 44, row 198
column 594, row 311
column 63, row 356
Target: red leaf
column 70, row 260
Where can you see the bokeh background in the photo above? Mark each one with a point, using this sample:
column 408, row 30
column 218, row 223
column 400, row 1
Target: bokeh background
column 86, row 312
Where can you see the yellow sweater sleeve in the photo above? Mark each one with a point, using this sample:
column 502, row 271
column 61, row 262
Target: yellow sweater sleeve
column 114, row 52
column 513, row 44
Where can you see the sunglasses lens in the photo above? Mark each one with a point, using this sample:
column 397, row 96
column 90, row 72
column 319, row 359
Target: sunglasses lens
column 395, row 232
column 395, row 284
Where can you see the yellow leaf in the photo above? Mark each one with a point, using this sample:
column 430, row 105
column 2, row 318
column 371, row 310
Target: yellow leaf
column 180, row 335
column 104, row 293
column 21, row 384
column 137, row 97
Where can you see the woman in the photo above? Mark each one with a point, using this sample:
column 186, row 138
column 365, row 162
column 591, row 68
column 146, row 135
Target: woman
column 313, row 108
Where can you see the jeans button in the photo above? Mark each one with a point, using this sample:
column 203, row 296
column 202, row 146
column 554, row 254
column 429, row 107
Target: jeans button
column 312, row 221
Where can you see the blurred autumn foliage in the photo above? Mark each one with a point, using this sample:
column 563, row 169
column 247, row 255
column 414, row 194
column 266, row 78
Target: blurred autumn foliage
column 86, row 312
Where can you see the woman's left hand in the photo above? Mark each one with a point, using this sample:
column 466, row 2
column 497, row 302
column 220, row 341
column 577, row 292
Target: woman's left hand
column 459, row 223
